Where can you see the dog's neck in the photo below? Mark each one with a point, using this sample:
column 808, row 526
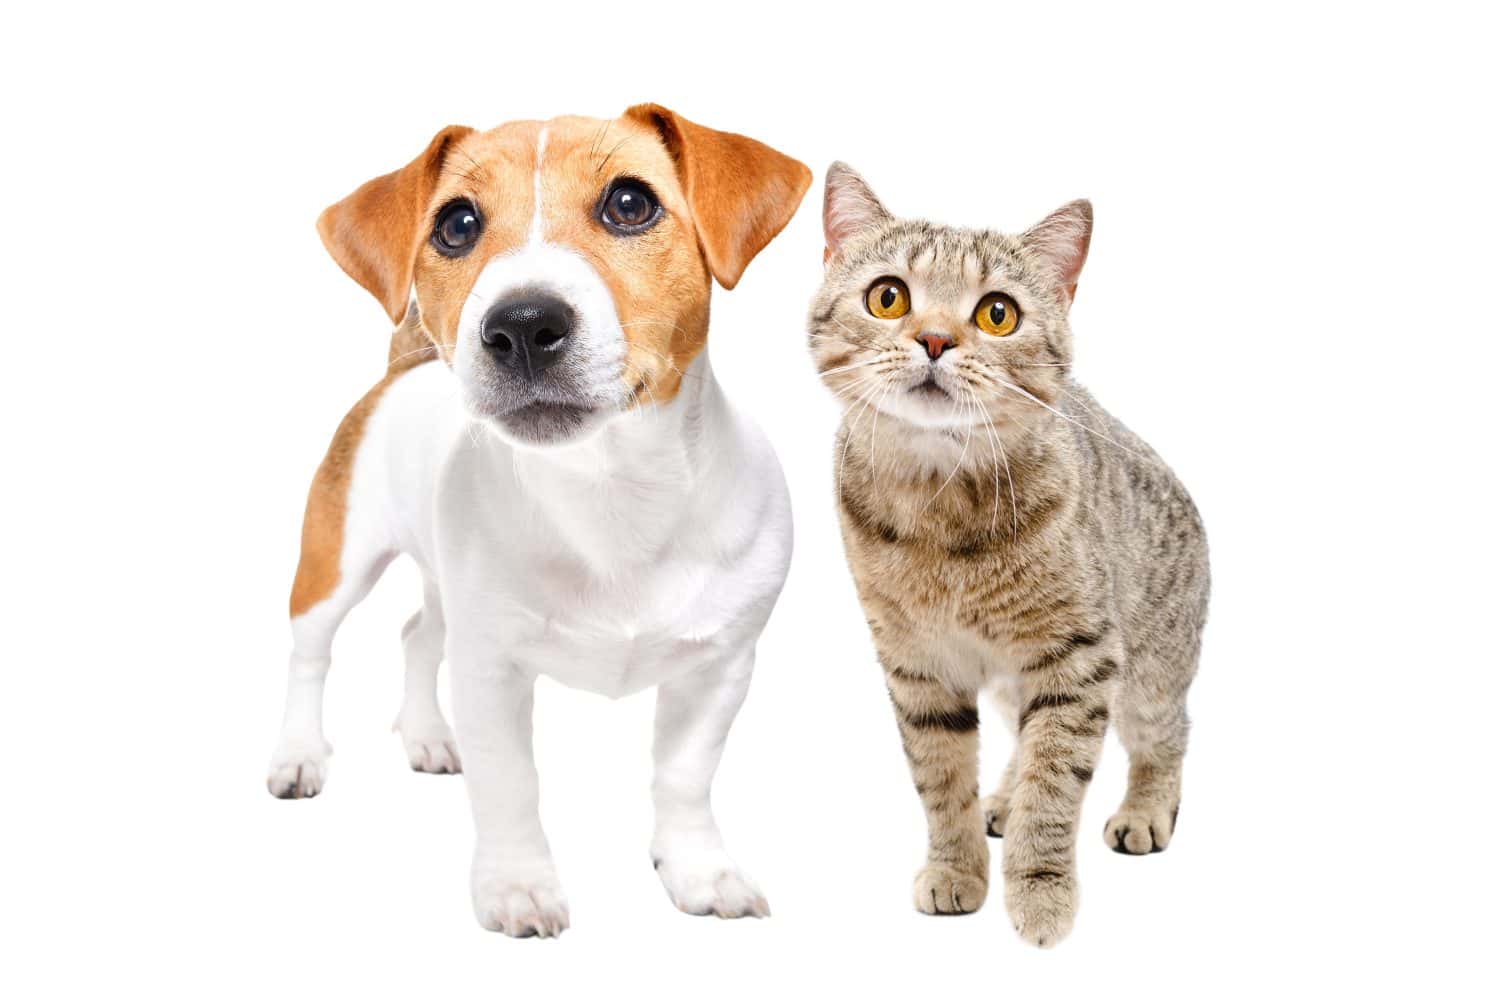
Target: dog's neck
column 622, row 493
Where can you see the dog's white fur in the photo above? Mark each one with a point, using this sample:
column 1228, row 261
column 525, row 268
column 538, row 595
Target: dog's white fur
column 649, row 551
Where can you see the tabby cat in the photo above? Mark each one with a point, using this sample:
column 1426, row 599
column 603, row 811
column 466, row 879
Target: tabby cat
column 1007, row 537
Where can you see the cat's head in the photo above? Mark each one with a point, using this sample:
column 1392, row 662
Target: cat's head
column 943, row 327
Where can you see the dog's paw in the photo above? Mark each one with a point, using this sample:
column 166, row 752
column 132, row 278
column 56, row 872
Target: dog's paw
column 1041, row 904
column 520, row 904
column 996, row 809
column 943, row 889
column 710, row 885
column 429, row 743
column 1145, row 830
column 433, row 756
column 298, row 769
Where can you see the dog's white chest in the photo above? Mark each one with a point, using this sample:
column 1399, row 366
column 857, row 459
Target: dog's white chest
column 619, row 565
column 611, row 659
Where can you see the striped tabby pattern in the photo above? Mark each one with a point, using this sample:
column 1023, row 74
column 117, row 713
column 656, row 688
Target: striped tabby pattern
column 1008, row 539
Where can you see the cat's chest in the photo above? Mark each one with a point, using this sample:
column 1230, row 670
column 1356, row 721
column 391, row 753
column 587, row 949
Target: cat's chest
column 931, row 583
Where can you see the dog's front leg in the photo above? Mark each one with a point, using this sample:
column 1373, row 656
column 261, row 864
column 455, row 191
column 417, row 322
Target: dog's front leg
column 693, row 715
column 514, row 883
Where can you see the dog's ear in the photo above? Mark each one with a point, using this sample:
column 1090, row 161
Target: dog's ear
column 373, row 234
column 741, row 192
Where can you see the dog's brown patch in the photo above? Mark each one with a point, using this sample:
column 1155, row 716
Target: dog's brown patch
column 328, row 498
column 725, row 197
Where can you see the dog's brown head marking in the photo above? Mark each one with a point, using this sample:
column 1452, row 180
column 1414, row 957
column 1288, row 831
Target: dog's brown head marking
column 600, row 237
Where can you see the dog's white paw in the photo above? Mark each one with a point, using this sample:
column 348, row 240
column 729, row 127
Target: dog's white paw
column 519, row 902
column 710, row 885
column 298, row 768
column 430, row 747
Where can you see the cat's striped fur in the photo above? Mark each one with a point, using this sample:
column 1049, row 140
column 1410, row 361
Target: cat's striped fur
column 1006, row 536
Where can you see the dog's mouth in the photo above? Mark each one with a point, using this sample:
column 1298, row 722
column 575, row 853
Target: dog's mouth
column 545, row 423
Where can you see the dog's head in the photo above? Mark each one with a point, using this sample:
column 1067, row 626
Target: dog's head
column 563, row 268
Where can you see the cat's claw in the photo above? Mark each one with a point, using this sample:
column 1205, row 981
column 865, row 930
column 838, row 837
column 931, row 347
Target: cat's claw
column 1140, row 830
column 941, row 889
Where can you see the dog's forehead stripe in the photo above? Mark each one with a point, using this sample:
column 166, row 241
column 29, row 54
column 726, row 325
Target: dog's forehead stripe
column 537, row 185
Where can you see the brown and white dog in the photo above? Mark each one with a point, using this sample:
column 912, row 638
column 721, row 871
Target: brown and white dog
column 552, row 449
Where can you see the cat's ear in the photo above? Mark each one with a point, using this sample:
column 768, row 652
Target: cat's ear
column 1062, row 240
column 849, row 208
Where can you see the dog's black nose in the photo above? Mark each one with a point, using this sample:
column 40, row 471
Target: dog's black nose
column 528, row 334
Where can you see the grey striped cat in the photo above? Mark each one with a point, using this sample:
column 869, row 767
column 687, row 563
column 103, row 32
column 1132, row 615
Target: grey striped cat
column 1007, row 537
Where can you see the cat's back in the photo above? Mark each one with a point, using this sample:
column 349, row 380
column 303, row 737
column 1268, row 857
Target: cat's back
column 1141, row 516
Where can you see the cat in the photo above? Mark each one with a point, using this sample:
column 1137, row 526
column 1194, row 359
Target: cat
column 1006, row 537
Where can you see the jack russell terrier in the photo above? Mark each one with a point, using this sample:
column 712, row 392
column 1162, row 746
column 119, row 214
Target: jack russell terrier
column 550, row 446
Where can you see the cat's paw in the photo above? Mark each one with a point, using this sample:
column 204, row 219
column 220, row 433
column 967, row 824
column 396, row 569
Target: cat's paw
column 1041, row 904
column 943, row 889
column 298, row 769
column 1140, row 830
column 996, row 809
column 519, row 902
column 710, row 885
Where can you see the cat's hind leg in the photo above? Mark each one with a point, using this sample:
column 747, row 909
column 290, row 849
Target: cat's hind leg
column 996, row 805
column 1151, row 718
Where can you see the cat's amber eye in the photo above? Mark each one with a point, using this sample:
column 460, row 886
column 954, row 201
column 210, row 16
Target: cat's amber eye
column 888, row 299
column 997, row 314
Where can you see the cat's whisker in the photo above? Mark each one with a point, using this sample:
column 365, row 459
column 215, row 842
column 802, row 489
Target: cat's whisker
column 996, row 443
column 891, row 363
column 849, row 368
column 1056, row 412
column 863, row 379
column 875, row 427
column 963, row 452
column 869, row 394
column 852, row 394
column 1082, row 405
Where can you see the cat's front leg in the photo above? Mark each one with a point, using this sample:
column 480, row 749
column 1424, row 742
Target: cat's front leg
column 940, row 733
column 1064, row 714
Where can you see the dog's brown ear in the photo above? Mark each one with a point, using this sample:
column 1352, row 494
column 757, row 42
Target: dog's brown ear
column 741, row 192
column 374, row 233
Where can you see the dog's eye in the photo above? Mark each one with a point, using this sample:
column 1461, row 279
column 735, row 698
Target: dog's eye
column 629, row 207
column 457, row 229
column 997, row 315
column 888, row 299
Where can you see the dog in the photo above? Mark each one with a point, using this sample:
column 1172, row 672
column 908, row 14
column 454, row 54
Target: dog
column 551, row 448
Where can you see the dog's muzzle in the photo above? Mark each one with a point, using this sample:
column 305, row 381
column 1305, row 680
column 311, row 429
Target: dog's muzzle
column 527, row 334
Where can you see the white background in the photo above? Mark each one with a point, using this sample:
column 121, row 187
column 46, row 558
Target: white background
column 1290, row 295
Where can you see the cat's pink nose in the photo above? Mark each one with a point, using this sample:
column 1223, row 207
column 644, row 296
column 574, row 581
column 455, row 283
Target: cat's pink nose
column 936, row 343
